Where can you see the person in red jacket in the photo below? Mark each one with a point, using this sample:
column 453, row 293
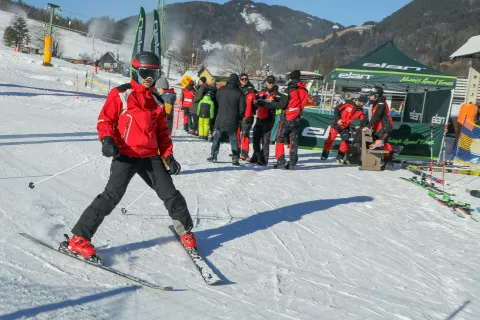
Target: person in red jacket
column 187, row 100
column 132, row 127
column 344, row 115
column 264, row 123
column 381, row 124
column 292, row 106
column 247, row 121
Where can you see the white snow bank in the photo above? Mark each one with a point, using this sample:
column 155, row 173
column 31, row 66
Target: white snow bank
column 260, row 22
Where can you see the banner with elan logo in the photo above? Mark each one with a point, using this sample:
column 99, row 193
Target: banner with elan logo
column 414, row 137
column 436, row 107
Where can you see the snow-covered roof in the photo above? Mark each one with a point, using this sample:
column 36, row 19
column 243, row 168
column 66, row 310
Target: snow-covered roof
column 472, row 47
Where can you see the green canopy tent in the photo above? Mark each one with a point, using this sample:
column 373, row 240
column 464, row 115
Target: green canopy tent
column 389, row 67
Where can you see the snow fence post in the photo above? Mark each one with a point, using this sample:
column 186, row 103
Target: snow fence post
column 109, row 81
column 91, row 83
column 86, row 79
column 77, row 85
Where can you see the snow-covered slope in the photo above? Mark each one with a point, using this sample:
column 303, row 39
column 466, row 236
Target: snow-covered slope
column 260, row 22
column 73, row 43
column 322, row 242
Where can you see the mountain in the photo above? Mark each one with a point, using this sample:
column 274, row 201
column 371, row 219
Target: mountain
column 278, row 26
column 427, row 30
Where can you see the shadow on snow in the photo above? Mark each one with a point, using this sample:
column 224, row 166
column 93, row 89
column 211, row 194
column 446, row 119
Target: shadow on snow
column 32, row 312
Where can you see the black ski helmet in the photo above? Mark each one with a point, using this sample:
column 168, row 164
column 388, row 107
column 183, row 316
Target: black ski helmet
column 377, row 91
column 146, row 64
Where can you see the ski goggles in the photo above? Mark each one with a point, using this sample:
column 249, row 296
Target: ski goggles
column 146, row 73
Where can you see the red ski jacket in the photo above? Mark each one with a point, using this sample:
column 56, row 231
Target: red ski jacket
column 348, row 113
column 297, row 100
column 188, row 96
column 269, row 95
column 135, row 117
column 250, row 98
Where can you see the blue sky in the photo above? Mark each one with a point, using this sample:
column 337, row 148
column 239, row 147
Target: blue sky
column 346, row 12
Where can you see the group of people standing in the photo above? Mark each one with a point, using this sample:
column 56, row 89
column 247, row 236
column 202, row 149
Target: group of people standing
column 230, row 111
column 378, row 121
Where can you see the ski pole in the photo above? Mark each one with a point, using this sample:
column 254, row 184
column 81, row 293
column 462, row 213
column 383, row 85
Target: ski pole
column 444, row 151
column 124, row 210
column 31, row 185
column 431, row 154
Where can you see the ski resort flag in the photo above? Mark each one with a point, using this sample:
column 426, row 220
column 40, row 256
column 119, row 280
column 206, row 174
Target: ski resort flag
column 155, row 45
column 140, row 36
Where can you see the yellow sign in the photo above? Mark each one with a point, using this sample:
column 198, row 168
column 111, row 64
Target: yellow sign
column 185, row 80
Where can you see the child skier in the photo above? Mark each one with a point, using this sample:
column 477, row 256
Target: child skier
column 205, row 112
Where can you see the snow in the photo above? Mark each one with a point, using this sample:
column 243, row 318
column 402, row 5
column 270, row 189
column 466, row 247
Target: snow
column 322, row 242
column 209, row 46
column 73, row 43
column 260, row 22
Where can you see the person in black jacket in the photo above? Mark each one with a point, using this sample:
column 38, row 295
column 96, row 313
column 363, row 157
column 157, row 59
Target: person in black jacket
column 199, row 94
column 231, row 107
column 264, row 124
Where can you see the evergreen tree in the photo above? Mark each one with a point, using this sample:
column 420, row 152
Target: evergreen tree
column 16, row 33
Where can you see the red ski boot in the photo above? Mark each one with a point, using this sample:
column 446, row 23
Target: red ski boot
column 82, row 246
column 188, row 240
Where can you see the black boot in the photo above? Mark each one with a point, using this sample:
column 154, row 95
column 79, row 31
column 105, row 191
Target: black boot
column 280, row 165
column 339, row 158
column 290, row 166
column 388, row 163
column 324, row 155
column 235, row 162
column 185, row 127
column 254, row 158
column 213, row 158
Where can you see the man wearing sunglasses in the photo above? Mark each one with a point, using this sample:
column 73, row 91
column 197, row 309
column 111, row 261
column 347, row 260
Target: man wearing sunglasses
column 132, row 126
column 247, row 121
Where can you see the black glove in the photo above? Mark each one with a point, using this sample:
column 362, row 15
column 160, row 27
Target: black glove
column 173, row 166
column 260, row 103
column 109, row 148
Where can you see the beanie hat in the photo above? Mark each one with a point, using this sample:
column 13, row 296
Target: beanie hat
column 294, row 75
column 234, row 78
column 270, row 79
column 203, row 79
column 162, row 83
column 243, row 74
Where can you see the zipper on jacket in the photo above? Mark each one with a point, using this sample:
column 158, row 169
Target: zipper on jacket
column 126, row 132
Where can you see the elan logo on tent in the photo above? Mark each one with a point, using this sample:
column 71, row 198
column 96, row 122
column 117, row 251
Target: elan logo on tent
column 352, row 75
column 415, row 116
column 318, row 133
column 391, row 66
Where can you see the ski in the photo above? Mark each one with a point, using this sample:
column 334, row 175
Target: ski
column 465, row 171
column 448, row 204
column 454, row 206
column 423, row 184
column 111, row 270
column 421, row 173
column 208, row 275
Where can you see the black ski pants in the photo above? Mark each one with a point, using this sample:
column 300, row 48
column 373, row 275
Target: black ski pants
column 261, row 139
column 153, row 172
column 287, row 133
